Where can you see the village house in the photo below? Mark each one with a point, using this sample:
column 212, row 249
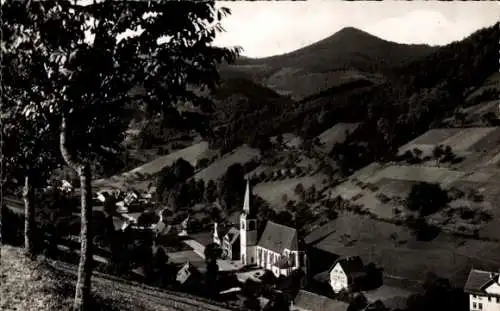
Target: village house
column 483, row 288
column 345, row 273
column 188, row 276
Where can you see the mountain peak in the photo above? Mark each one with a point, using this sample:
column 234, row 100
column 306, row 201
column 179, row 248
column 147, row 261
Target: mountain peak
column 349, row 33
column 350, row 29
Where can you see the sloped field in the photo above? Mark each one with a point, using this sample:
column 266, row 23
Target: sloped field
column 242, row 155
column 274, row 191
column 336, row 134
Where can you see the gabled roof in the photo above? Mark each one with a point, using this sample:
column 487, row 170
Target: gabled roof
column 278, row 237
column 187, row 271
column 308, row 301
column 232, row 235
column 322, row 277
column 350, row 265
column 222, row 231
column 479, row 280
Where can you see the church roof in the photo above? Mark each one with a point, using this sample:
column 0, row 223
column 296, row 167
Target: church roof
column 232, row 235
column 278, row 237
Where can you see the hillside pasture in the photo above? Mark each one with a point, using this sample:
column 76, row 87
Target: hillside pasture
column 191, row 154
column 490, row 191
column 259, row 170
column 307, row 83
column 458, row 139
column 370, row 202
column 394, row 248
column 394, row 187
column 346, row 190
column 467, row 138
column 441, row 175
column 274, row 191
column 492, row 82
column 492, row 159
column 336, row 134
column 366, row 171
column 476, row 111
column 291, row 140
column 214, row 171
column 487, row 142
column 431, row 137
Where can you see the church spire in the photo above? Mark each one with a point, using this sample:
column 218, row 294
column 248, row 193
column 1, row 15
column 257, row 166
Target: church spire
column 246, row 203
column 216, row 238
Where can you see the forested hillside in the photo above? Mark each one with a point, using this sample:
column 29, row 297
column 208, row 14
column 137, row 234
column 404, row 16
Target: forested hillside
column 348, row 55
column 399, row 90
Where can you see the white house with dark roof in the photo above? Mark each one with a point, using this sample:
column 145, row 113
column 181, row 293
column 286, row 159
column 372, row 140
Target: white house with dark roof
column 277, row 249
column 344, row 272
column 483, row 288
column 187, row 274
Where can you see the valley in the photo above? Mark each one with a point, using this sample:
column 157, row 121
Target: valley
column 374, row 197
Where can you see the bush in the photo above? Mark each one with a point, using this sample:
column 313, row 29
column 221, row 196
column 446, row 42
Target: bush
column 427, row 198
column 422, row 230
column 467, row 213
column 332, row 214
column 383, row 198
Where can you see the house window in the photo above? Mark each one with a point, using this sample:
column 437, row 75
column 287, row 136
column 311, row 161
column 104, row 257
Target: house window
column 498, row 299
column 242, row 225
column 489, row 299
column 474, row 305
column 480, row 305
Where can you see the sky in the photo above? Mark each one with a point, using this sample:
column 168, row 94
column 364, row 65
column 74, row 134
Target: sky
column 265, row 28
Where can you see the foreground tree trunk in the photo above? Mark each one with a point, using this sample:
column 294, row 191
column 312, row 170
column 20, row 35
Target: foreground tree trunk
column 29, row 218
column 83, row 285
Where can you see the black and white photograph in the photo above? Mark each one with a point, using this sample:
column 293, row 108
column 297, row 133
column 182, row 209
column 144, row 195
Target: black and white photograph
column 182, row 155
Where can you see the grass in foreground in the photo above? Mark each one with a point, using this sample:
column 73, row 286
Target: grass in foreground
column 32, row 285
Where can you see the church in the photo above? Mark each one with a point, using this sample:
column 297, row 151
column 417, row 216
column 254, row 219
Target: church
column 276, row 248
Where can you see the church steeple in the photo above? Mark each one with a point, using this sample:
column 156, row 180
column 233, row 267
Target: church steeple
column 248, row 231
column 246, row 203
column 216, row 238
